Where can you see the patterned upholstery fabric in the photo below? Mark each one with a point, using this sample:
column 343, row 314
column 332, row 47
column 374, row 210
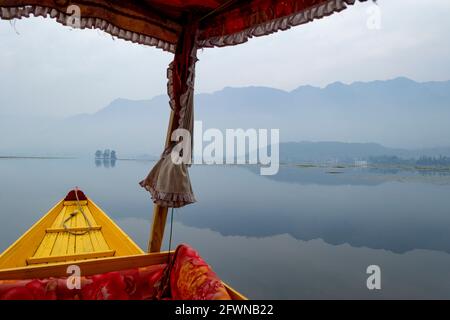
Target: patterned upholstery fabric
column 191, row 279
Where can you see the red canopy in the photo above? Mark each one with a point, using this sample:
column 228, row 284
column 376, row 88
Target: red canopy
column 160, row 22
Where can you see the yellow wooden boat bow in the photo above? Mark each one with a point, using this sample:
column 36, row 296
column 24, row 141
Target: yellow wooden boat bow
column 76, row 231
column 71, row 231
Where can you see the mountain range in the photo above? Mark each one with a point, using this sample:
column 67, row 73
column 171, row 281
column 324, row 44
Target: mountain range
column 398, row 113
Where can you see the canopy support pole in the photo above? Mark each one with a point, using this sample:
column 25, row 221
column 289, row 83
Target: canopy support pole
column 158, row 226
column 179, row 87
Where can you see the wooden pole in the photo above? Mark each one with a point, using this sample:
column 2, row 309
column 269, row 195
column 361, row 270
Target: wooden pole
column 158, row 226
column 160, row 213
column 185, row 44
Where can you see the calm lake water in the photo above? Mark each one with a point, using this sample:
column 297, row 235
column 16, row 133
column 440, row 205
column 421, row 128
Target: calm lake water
column 304, row 233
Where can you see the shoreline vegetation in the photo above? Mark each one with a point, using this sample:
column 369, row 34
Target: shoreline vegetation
column 37, row 157
column 334, row 166
column 68, row 158
column 373, row 166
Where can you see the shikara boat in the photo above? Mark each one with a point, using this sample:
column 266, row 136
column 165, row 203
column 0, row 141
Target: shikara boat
column 77, row 232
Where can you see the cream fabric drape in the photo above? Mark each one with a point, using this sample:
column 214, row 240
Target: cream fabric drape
column 169, row 183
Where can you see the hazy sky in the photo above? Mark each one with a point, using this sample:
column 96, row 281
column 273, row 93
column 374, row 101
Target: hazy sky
column 48, row 69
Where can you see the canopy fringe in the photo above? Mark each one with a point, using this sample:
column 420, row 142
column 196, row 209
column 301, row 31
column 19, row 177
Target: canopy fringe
column 9, row 13
column 284, row 23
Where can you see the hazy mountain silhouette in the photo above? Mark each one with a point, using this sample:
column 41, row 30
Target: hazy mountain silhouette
column 396, row 113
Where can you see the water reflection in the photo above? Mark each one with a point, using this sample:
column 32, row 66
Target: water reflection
column 395, row 215
column 355, row 176
column 106, row 163
column 378, row 211
column 281, row 267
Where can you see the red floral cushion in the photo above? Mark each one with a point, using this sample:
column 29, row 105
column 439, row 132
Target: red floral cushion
column 190, row 279
column 136, row 284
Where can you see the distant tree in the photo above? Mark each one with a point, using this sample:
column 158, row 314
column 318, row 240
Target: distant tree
column 113, row 155
column 106, row 154
column 434, row 161
column 98, row 154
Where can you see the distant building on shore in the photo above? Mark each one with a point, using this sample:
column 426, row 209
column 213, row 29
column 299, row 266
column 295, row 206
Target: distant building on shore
column 361, row 163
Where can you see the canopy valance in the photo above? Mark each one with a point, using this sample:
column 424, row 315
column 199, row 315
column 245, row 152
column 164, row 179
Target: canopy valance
column 159, row 23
